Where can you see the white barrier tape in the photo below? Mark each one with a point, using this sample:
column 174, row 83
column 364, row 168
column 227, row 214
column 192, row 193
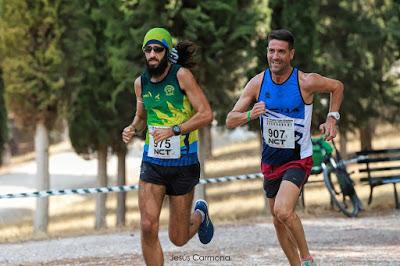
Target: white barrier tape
column 47, row 193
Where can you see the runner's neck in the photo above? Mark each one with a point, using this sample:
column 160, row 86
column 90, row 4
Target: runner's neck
column 280, row 78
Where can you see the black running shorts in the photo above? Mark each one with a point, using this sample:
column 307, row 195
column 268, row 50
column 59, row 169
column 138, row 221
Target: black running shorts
column 178, row 180
column 295, row 175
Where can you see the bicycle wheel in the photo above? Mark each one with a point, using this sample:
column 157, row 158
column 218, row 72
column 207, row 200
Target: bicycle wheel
column 348, row 204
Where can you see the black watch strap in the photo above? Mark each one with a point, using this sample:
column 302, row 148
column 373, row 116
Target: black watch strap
column 177, row 130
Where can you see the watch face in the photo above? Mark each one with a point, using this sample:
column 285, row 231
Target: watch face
column 176, row 129
column 335, row 115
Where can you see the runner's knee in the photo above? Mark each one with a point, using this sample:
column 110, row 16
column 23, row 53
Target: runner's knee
column 179, row 236
column 178, row 239
column 283, row 215
column 149, row 226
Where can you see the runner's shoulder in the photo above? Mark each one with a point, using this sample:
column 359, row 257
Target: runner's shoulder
column 137, row 84
column 308, row 79
column 183, row 72
column 137, row 81
column 256, row 81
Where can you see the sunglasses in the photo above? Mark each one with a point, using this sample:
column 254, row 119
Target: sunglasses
column 157, row 49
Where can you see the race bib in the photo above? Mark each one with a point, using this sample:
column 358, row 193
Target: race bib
column 279, row 133
column 166, row 149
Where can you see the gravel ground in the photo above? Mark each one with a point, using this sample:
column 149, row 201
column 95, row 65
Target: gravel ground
column 371, row 240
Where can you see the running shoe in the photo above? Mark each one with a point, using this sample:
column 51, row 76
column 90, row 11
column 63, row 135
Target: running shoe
column 206, row 228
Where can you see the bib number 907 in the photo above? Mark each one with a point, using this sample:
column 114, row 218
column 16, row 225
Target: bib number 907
column 279, row 133
column 275, row 133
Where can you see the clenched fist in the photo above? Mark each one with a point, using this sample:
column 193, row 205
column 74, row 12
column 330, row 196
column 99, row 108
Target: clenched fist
column 329, row 128
column 128, row 133
column 258, row 109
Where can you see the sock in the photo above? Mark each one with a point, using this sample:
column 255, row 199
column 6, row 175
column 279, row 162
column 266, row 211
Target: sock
column 203, row 216
column 309, row 257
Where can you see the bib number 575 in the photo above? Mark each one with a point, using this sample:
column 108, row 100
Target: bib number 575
column 166, row 143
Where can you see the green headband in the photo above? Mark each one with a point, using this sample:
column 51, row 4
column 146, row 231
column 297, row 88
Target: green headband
column 158, row 35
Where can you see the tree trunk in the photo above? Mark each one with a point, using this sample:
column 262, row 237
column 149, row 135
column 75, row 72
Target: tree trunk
column 121, row 181
column 101, row 198
column 343, row 144
column 366, row 134
column 200, row 190
column 207, row 140
column 42, row 177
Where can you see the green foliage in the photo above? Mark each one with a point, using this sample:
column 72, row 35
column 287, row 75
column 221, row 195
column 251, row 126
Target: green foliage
column 301, row 18
column 126, row 27
column 227, row 43
column 89, row 111
column 102, row 101
column 360, row 49
column 33, row 59
column 353, row 41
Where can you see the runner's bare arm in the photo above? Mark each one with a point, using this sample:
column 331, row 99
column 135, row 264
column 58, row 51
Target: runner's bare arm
column 203, row 115
column 139, row 121
column 313, row 83
column 239, row 115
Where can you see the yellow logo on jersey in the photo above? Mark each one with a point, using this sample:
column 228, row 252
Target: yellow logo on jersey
column 147, row 95
column 169, row 90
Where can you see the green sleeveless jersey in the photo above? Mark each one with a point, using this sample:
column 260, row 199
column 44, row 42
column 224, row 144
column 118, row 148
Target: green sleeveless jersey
column 167, row 105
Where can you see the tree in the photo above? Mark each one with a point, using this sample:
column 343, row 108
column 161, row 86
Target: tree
column 301, row 18
column 3, row 119
column 359, row 49
column 90, row 113
column 31, row 70
column 226, row 41
column 3, row 110
column 110, row 59
column 123, row 31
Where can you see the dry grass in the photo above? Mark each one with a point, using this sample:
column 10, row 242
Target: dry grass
column 231, row 202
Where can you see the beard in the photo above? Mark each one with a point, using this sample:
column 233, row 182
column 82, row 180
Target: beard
column 156, row 71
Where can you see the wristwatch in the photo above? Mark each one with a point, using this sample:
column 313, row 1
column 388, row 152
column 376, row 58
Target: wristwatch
column 335, row 115
column 177, row 130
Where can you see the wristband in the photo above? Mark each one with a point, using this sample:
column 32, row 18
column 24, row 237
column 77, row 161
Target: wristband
column 248, row 116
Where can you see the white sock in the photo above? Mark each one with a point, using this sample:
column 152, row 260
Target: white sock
column 203, row 216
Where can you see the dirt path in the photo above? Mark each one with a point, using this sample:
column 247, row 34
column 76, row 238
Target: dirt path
column 334, row 241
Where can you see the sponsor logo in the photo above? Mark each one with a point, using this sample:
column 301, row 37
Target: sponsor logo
column 169, row 90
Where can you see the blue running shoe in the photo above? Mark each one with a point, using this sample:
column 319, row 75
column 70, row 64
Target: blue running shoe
column 206, row 229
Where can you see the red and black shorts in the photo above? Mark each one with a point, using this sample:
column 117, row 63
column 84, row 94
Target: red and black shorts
column 296, row 172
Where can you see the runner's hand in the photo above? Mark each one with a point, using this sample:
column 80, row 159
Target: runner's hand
column 160, row 134
column 128, row 133
column 258, row 109
column 328, row 128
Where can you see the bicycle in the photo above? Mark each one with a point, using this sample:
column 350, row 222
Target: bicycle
column 336, row 177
